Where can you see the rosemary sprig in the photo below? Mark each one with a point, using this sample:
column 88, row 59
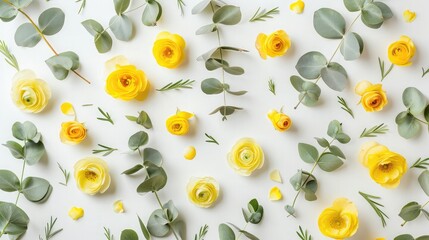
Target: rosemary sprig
column 202, row 233
column 106, row 115
column 87, row 105
column 105, row 150
column 82, row 5
column 181, row 84
column 49, row 230
column 344, row 106
column 421, row 163
column 272, row 86
column 9, row 57
column 372, row 132
column 424, row 72
column 181, row 5
column 211, row 139
column 382, row 69
column 66, row 175
column 264, row 14
column 303, row 235
column 107, row 234
column 375, row 205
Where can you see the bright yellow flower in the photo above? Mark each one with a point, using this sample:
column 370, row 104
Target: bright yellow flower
column 274, row 45
column 118, row 206
column 72, row 132
column 380, row 239
column 385, row 167
column 126, row 82
column 339, row 221
column 280, row 121
column 203, row 192
column 297, row 7
column 29, row 93
column 275, row 194
column 190, row 153
column 178, row 124
column 76, row 212
column 373, row 97
column 169, row 49
column 92, row 175
column 246, row 156
column 401, row 52
column 409, row 16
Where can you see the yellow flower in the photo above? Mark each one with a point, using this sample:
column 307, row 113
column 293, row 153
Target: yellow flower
column 72, row 132
column 169, row 49
column 339, row 221
column 409, row 16
column 203, row 192
column 385, row 167
column 126, row 82
column 281, row 121
column 297, row 7
column 92, row 175
column 275, row 194
column 29, row 93
column 76, row 212
column 380, row 239
column 118, row 206
column 274, row 45
column 246, row 156
column 178, row 124
column 190, row 153
column 401, row 52
column 373, row 97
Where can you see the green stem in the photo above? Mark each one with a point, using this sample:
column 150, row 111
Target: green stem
column 22, row 177
column 421, row 120
column 4, row 229
column 165, row 212
column 405, row 222
column 241, row 233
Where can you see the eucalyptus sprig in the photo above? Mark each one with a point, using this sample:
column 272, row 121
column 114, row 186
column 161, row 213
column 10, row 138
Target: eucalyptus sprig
column 105, row 150
column 253, row 215
column 371, row 199
column 408, row 121
column 202, row 233
column 181, row 84
column 374, row 131
column 29, row 34
column 344, row 106
column 223, row 15
column 304, row 235
column 30, row 150
column 142, row 119
column 329, row 160
column 413, row 209
column 330, row 24
column 49, row 230
column 9, row 57
column 410, row 237
column 264, row 14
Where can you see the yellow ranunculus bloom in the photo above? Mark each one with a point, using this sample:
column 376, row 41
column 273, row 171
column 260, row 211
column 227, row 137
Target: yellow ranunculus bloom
column 409, row 16
column 274, row 45
column 203, row 192
column 340, row 220
column 72, row 132
column 280, row 121
column 76, row 212
column 401, row 52
column 118, row 206
column 246, row 156
column 92, row 175
column 297, row 7
column 126, row 82
column 385, row 167
column 190, row 153
column 178, row 124
column 275, row 194
column 169, row 49
column 29, row 93
column 373, row 97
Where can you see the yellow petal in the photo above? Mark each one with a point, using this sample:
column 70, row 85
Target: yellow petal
column 275, row 176
column 67, row 109
column 76, row 212
column 112, row 63
column 409, row 16
column 184, row 114
column 118, row 206
column 297, row 7
column 190, row 153
column 362, row 86
column 275, row 194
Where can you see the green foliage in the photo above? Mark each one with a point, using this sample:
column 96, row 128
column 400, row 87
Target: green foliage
column 345, row 106
column 409, row 237
column 352, row 46
column 374, row 131
column 107, row 234
column 311, row 64
column 142, row 119
column 27, row 36
column 181, row 5
column 410, row 211
column 105, row 150
column 106, row 116
column 254, row 212
column 151, row 13
column 211, row 139
column 82, row 5
column 62, row 64
column 424, row 181
column 421, row 163
column 129, row 234
column 51, row 21
column 9, row 57
column 162, row 221
column 424, row 72
column 49, row 230
column 264, row 14
column 102, row 39
column 36, row 189
column 272, row 86
column 383, row 71
column 303, row 235
column 309, row 92
column 66, row 175
column 144, row 230
column 202, row 233
column 376, row 206
column 225, row 232
column 181, row 84
column 9, row 182
column 329, row 23
column 137, row 140
column 14, row 220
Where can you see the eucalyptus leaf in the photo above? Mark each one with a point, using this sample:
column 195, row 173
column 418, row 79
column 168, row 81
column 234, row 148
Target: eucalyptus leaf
column 234, row 70
column 408, row 126
column 152, row 13
column 51, row 21
column 337, row 151
column 33, row 152
column 322, row 142
column 352, row 46
column 36, row 189
column 334, row 128
column 145, row 232
column 121, row 6
column 310, row 65
column 414, row 100
column 225, row 110
column 155, row 181
column 228, row 15
column 13, row 220
column 137, row 140
column 424, row 181
column 9, row 182
column 143, row 119
column 215, row 63
column 225, row 232
column 122, row 27
column 15, row 149
column 200, row 6
column 354, row 5
column 335, row 76
column 24, row 131
column 372, row 15
column 61, row 65
column 27, row 36
column 307, row 152
column 216, row 52
column 129, row 234
column 386, row 12
column 289, row 209
column 329, row 162
column 404, row 237
column 249, row 235
column 93, row 27
column 21, row 3
column 103, row 42
column 152, row 155
column 154, row 227
column 7, row 12
column 212, row 86
column 426, row 113
column 212, row 27
column 296, row 180
column 171, row 210
column 410, row 211
column 73, row 57
column 329, row 23
column 310, row 95
column 133, row 170
column 343, row 138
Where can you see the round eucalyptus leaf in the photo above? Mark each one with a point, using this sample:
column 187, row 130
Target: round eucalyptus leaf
column 225, row 110
column 414, row 100
column 206, row 29
column 404, row 237
column 121, row 6
column 103, row 42
column 307, row 152
column 129, row 234
column 335, row 76
column 225, row 232
column 154, row 182
column 137, row 140
column 410, row 211
column 7, row 12
column 297, row 83
column 408, row 126
column 20, row 3
column 152, row 13
column 328, row 23
column 171, row 210
column 9, row 182
column 15, row 149
column 154, row 227
column 51, row 21
column 234, row 70
column 73, row 57
column 354, row 5
column 93, row 27
column 122, row 27
column 27, row 36
column 215, row 63
column 310, row 96
column 426, row 113
column 337, row 151
column 33, row 152
column 322, row 142
column 310, row 65
column 352, row 46
column 424, row 181
column 13, row 221
column 60, row 66
column 228, row 15
column 212, row 86
column 296, row 180
column 386, row 12
column 334, row 128
column 372, row 15
column 289, row 209
column 329, row 162
column 35, row 189
column 24, row 131
column 200, row 6
column 152, row 155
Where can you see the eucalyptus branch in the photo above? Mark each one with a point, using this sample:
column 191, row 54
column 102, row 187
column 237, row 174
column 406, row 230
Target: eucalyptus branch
column 423, row 206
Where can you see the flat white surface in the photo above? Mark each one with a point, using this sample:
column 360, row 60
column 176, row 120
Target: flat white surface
column 280, row 148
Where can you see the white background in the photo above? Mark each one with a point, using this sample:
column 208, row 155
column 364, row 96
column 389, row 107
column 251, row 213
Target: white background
column 280, row 148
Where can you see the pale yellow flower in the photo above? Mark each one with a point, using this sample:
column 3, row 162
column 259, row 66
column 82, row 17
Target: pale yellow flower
column 76, row 212
column 29, row 93
column 409, row 16
column 246, row 156
column 190, row 153
column 340, row 221
column 169, row 49
column 373, row 97
column 402, row 51
column 203, row 192
column 118, row 206
column 297, row 6
column 275, row 176
column 274, row 45
column 178, row 124
column 275, row 194
column 280, row 121
column 92, row 175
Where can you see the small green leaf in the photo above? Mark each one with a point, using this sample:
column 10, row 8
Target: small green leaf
column 24, row 131
column 103, row 42
column 145, row 232
column 334, row 128
column 61, row 64
column 200, row 6
column 7, row 12
column 156, row 180
column 36, row 189
column 133, row 170
column 385, row 10
column 212, row 86
column 404, row 237
column 329, row 162
column 343, row 138
column 9, row 182
column 13, row 221
column 249, row 235
column 51, row 21
column 21, row 3
column 352, row 46
column 93, row 27
column 337, row 151
column 121, row 6
column 310, row 65
column 15, row 149
column 156, row 227
column 354, row 5
column 137, row 140
column 424, row 181
column 33, row 152
column 335, row 76
column 329, row 23
column 27, row 36
column 289, row 209
column 225, row 110
column 307, row 152
column 152, row 13
column 228, row 15
column 212, row 27
column 122, row 27
column 296, row 180
column 129, row 234
column 310, row 95
column 225, row 232
column 234, row 70
column 372, row 15
column 152, row 155
column 322, row 142
column 410, row 211
column 414, row 100
column 408, row 126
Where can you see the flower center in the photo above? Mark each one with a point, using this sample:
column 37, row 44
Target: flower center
column 337, row 223
column 91, row 176
column 385, row 167
column 168, row 52
column 177, row 127
column 246, row 155
column 125, row 80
